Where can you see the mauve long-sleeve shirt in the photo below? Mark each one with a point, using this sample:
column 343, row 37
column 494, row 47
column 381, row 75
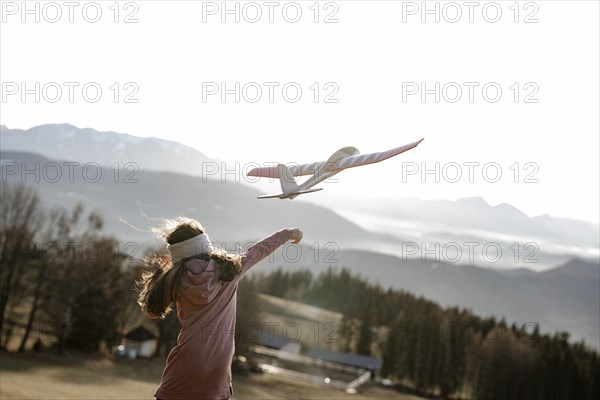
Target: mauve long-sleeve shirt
column 199, row 366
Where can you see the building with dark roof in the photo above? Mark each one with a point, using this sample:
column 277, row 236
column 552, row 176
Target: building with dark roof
column 140, row 342
column 354, row 360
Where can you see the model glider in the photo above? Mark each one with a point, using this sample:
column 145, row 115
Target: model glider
column 347, row 157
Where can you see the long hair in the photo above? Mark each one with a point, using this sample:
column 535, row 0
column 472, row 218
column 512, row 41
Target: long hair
column 160, row 280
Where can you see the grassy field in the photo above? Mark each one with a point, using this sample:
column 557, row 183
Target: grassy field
column 47, row 376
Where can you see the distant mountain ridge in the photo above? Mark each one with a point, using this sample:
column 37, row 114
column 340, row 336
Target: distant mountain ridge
column 441, row 221
column 476, row 213
column 84, row 145
column 469, row 218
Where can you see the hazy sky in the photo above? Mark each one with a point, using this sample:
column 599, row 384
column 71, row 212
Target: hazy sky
column 516, row 98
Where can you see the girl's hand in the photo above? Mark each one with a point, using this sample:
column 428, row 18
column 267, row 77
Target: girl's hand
column 295, row 235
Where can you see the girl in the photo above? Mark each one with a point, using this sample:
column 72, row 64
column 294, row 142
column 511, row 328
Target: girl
column 203, row 283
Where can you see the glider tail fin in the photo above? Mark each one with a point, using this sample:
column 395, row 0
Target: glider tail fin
column 288, row 184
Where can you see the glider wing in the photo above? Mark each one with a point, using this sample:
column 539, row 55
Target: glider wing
column 364, row 159
column 330, row 166
column 293, row 170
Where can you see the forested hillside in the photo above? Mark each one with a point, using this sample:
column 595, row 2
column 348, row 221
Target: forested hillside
column 447, row 352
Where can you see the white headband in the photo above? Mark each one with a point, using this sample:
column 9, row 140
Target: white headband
column 191, row 247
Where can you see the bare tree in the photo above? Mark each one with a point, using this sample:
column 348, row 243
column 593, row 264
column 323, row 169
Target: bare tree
column 55, row 232
column 20, row 216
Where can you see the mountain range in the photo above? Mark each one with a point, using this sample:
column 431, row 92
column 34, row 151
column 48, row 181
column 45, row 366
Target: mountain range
column 425, row 222
column 473, row 216
column 84, row 145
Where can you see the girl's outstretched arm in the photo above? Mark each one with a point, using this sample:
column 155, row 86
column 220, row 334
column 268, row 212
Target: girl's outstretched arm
column 268, row 245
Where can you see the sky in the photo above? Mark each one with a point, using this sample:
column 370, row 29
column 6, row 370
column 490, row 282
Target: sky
column 506, row 94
